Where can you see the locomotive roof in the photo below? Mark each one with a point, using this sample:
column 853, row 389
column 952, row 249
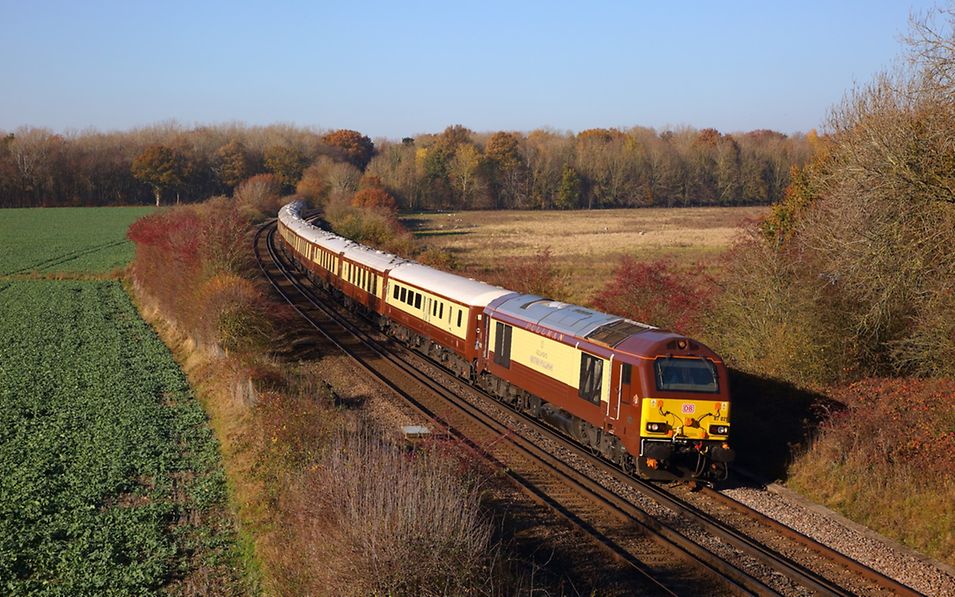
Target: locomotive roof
column 619, row 333
column 571, row 320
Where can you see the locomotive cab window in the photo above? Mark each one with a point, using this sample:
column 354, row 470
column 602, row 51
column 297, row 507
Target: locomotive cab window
column 686, row 375
column 502, row 344
column 591, row 378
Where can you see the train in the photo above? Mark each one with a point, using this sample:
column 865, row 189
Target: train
column 651, row 401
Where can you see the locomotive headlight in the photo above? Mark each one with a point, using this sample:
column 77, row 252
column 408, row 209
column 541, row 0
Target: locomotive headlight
column 657, row 427
column 719, row 429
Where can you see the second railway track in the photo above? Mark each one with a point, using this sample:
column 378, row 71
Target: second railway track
column 660, row 558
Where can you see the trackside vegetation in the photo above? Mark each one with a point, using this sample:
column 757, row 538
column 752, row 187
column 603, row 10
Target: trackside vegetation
column 112, row 483
column 331, row 501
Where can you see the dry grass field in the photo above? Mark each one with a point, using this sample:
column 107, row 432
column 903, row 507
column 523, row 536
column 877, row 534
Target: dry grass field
column 586, row 245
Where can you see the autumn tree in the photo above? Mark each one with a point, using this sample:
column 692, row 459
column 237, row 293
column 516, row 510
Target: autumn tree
column 865, row 233
column 602, row 160
column 506, row 168
column 287, row 163
column 547, row 153
column 617, row 168
column 463, row 170
column 568, row 196
column 374, row 198
column 397, row 166
column 355, row 148
column 162, row 168
column 233, row 163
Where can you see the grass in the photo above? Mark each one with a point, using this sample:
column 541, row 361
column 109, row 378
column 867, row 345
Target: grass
column 112, row 482
column 586, row 245
column 66, row 241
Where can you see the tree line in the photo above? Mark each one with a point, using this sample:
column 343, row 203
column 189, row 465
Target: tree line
column 454, row 169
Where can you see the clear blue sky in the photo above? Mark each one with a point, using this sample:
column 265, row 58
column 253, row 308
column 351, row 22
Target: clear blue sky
column 404, row 67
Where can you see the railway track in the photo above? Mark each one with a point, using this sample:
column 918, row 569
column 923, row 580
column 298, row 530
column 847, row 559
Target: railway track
column 655, row 556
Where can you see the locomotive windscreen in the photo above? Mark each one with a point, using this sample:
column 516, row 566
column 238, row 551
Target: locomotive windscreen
column 686, row 375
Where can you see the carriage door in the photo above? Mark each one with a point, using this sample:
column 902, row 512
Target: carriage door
column 619, row 391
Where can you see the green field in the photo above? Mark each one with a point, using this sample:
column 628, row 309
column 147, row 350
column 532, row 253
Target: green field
column 111, row 481
column 66, row 240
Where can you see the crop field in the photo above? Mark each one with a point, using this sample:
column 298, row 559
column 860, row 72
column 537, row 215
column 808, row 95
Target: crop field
column 66, row 240
column 111, row 482
column 586, row 245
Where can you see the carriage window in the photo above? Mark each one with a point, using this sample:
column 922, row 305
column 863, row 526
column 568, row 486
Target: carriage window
column 417, row 300
column 404, row 295
column 591, row 377
column 502, row 344
column 441, row 311
column 459, row 317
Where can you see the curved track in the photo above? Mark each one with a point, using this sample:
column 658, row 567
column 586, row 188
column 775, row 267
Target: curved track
column 663, row 558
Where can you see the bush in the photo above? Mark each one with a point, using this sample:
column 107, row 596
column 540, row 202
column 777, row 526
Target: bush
column 655, row 293
column 259, row 197
column 394, row 523
column 438, row 258
column 378, row 228
column 233, row 314
column 771, row 318
column 190, row 260
column 374, row 198
column 886, row 461
column 538, row 274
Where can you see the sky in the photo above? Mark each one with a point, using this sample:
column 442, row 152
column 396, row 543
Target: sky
column 399, row 68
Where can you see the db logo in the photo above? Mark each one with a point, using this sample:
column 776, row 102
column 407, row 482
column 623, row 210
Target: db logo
column 689, row 408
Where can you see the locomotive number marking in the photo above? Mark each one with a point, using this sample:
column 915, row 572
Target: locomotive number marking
column 689, row 408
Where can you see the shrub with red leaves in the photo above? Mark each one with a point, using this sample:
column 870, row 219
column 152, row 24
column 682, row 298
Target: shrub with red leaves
column 657, row 293
column 538, row 274
column 191, row 261
column 898, row 423
column 374, row 198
